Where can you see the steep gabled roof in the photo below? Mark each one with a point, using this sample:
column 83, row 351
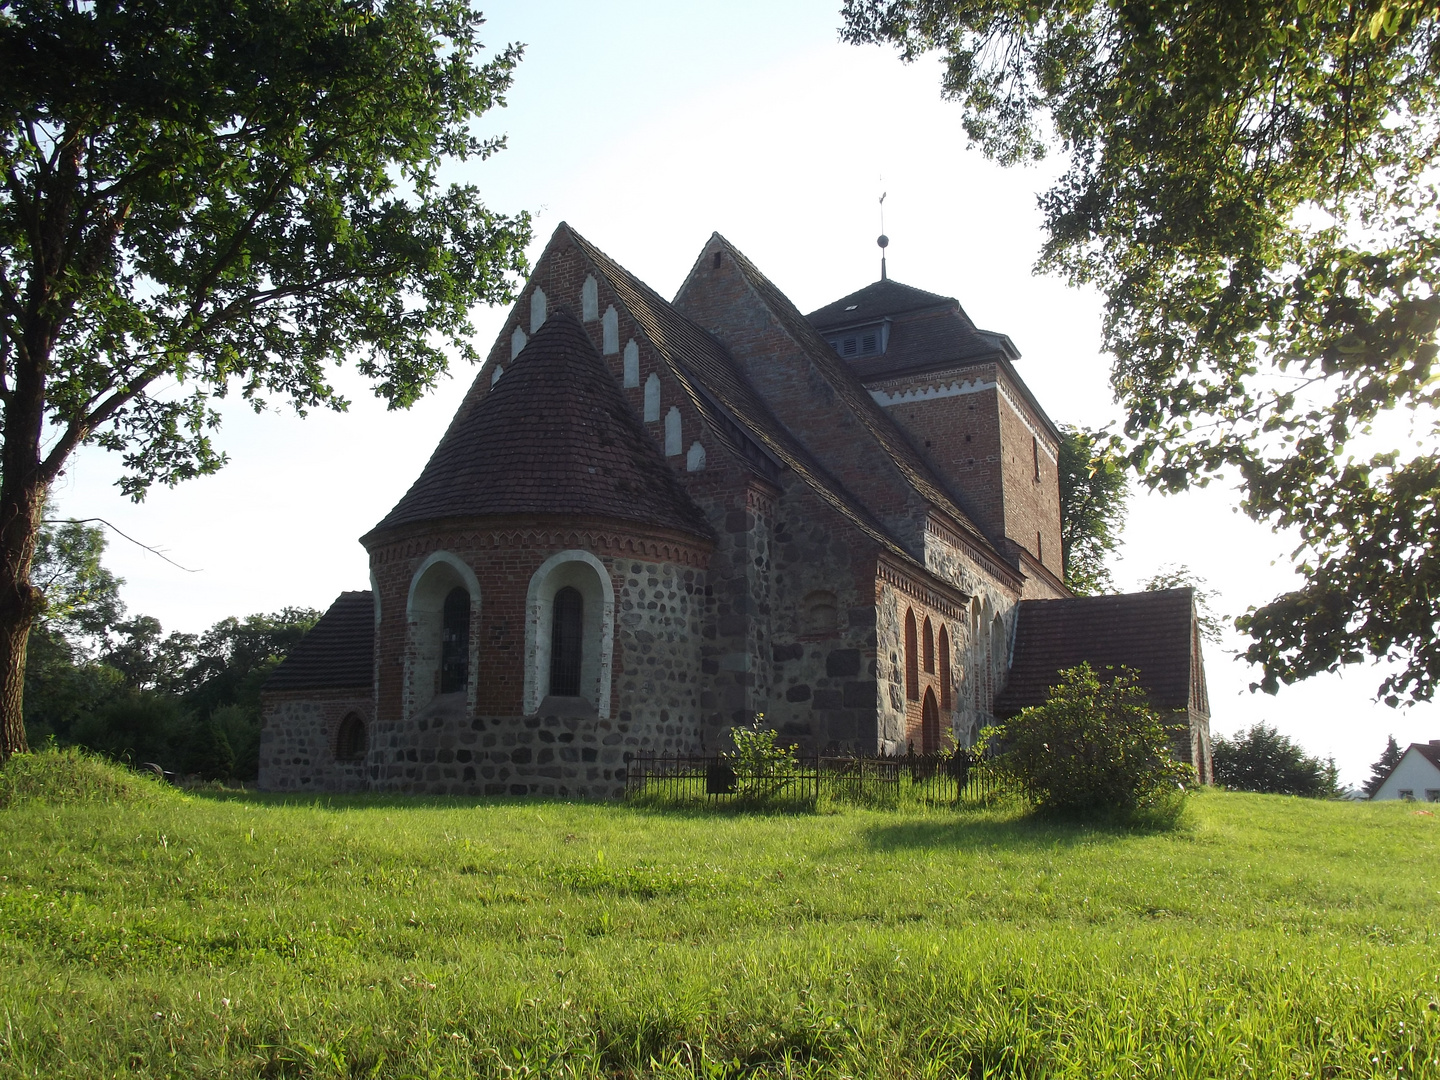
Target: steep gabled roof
column 1149, row 632
column 719, row 390
column 848, row 387
column 338, row 653
column 555, row 436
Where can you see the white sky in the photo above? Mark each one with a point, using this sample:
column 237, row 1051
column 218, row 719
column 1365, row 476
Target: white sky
column 647, row 126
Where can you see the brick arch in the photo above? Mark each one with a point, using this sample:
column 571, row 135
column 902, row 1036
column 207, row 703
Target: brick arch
column 929, row 723
column 928, row 640
column 946, row 689
column 437, row 577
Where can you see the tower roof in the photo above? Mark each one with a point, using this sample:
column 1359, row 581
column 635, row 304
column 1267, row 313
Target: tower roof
column 876, row 301
column 554, row 436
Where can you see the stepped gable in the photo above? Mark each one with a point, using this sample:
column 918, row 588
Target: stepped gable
column 337, row 653
column 927, row 331
column 555, row 437
column 721, row 393
column 852, row 392
column 1150, row 632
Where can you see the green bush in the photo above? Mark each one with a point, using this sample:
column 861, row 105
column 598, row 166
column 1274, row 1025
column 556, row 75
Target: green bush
column 1095, row 749
column 70, row 775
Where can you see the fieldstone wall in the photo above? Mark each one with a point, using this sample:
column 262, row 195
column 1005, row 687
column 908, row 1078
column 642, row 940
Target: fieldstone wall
column 563, row 752
column 660, row 609
column 824, row 692
column 297, row 741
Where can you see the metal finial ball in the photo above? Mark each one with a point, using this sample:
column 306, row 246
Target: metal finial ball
column 883, row 241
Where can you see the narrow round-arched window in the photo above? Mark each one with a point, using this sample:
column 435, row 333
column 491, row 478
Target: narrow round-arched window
column 567, row 634
column 945, row 688
column 912, row 659
column 929, row 639
column 929, row 724
column 455, row 642
column 350, row 741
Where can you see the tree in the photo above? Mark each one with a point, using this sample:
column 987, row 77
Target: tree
column 201, row 199
column 1250, row 184
column 1263, row 760
column 1380, row 771
column 1093, row 490
column 1094, row 749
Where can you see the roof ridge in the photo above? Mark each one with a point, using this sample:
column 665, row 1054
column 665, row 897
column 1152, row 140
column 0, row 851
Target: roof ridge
column 790, row 450
column 912, row 466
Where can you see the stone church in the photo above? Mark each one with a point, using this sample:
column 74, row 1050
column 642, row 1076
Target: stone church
column 651, row 520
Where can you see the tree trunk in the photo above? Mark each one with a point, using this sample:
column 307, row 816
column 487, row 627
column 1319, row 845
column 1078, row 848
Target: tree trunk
column 20, row 603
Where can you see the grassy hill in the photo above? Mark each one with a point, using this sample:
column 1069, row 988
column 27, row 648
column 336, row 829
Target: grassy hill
column 147, row 933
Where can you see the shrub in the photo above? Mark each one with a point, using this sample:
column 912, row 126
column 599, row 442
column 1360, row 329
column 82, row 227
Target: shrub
column 1263, row 760
column 70, row 775
column 1094, row 749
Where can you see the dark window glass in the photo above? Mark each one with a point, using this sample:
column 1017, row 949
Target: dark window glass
column 565, row 642
column 455, row 642
column 350, row 740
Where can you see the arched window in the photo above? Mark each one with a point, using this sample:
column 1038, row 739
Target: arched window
column 821, row 613
column 567, row 642
column 929, row 724
column 569, row 631
column 929, row 639
column 444, row 598
column 912, row 659
column 945, row 687
column 350, row 740
column 455, row 642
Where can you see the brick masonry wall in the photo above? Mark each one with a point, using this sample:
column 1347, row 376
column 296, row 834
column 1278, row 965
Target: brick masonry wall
column 719, row 299
column 297, row 740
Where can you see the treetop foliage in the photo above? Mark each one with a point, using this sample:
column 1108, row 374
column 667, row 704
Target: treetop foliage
column 202, row 199
column 1263, row 760
column 1251, row 184
column 1093, row 493
column 1381, row 769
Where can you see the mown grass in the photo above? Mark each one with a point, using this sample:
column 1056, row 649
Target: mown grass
column 227, row 937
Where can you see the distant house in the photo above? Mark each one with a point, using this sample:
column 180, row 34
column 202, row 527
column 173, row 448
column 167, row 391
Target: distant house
column 1415, row 776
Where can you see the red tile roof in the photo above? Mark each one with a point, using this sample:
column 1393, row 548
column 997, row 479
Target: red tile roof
column 1149, row 632
column 554, row 436
column 337, row 653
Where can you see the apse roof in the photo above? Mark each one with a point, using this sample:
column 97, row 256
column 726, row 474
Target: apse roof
column 1150, row 632
column 337, row 653
column 554, row 436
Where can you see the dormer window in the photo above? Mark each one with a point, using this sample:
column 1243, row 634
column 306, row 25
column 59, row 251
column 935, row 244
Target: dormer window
column 861, row 341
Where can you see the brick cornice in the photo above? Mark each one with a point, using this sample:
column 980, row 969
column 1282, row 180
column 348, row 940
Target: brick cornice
column 945, row 599
column 599, row 536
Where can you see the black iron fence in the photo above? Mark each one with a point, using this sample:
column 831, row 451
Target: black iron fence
column 937, row 779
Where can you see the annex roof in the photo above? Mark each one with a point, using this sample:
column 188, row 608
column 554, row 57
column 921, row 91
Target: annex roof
column 337, row 653
column 553, row 436
column 1149, row 632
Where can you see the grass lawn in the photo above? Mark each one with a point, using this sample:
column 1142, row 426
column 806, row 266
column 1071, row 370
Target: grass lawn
column 167, row 935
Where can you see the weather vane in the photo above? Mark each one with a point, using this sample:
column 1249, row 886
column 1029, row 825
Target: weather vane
column 883, row 241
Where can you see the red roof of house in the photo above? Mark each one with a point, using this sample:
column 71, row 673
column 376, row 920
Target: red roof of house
column 554, row 436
